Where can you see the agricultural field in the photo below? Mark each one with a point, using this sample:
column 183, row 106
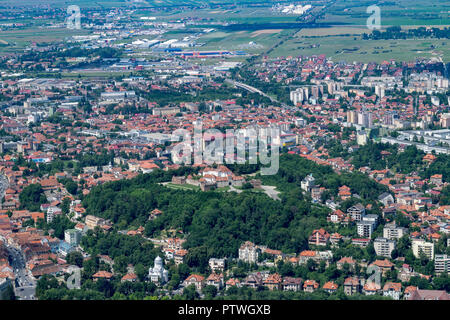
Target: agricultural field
column 17, row 40
column 256, row 29
column 396, row 12
column 353, row 48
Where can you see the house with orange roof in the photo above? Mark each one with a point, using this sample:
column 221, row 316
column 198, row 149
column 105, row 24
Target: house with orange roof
column 429, row 158
column 232, row 282
column 370, row 288
column 102, row 275
column 310, row 286
column 335, row 239
column 336, row 216
column 319, row 237
column 195, row 279
column 306, row 255
column 273, row 282
column 385, row 265
column 346, row 260
column 409, row 290
column 393, row 290
column 131, row 277
column 330, row 287
column 215, row 280
column 179, row 255
column 344, row 193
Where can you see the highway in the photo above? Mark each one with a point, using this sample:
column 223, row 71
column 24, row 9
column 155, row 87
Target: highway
column 256, row 90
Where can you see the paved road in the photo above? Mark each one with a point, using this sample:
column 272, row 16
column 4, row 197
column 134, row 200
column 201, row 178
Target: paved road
column 25, row 285
column 233, row 189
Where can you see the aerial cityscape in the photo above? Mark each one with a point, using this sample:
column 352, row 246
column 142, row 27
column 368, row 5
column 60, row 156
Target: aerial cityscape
column 224, row 150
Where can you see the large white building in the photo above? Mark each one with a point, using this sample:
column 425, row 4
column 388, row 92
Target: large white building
column 361, row 137
column 442, row 264
column 384, row 247
column 158, row 274
column 367, row 225
column 308, row 183
column 72, row 237
column 299, row 95
column 391, row 231
column 249, row 252
column 216, row 265
column 52, row 212
column 426, row 247
column 364, row 229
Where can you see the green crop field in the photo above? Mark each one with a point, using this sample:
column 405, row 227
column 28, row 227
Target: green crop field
column 348, row 48
column 397, row 12
column 259, row 28
column 17, row 40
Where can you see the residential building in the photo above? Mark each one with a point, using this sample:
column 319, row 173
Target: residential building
column 292, row 284
column 308, row 183
column 352, row 285
column 419, row 245
column 232, row 282
column 408, row 292
column 72, row 237
column 197, row 280
column 442, row 264
column 310, row 286
column 215, row 280
column 330, row 287
column 346, row 260
column 393, row 290
column 429, row 295
column 249, row 252
column 385, row 265
column 93, row 221
column 370, row 288
column 356, row 212
column 273, row 282
column 216, row 265
column 391, row 231
column 365, row 229
column 384, row 247
column 319, row 237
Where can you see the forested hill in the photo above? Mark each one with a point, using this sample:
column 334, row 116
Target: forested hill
column 293, row 169
column 218, row 222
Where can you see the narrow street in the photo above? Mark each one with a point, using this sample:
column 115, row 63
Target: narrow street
column 25, row 285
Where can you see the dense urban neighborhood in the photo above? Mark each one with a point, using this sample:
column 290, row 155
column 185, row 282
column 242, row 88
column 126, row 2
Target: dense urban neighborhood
column 96, row 204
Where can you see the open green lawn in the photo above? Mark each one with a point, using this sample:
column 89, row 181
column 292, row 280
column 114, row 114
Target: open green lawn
column 182, row 187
